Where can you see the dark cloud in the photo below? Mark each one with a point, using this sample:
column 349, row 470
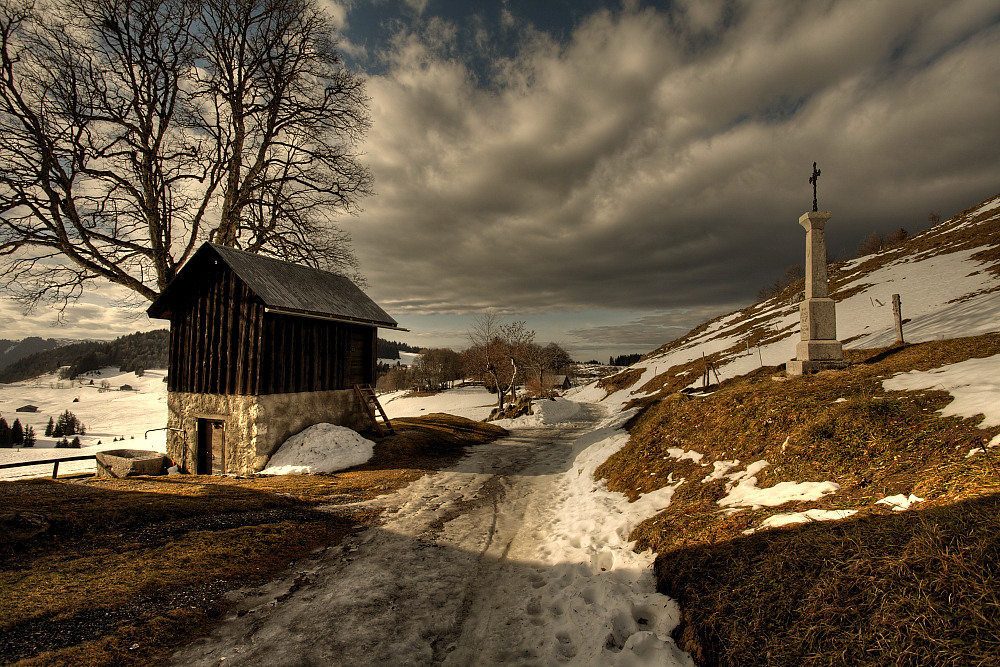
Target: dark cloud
column 659, row 160
column 652, row 161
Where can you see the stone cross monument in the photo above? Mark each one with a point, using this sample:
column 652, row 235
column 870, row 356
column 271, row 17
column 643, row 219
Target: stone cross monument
column 819, row 348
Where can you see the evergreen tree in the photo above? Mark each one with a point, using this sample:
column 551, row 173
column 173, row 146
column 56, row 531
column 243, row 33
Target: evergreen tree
column 5, row 439
column 76, row 443
column 62, row 444
column 67, row 424
column 49, row 430
column 17, row 433
column 29, row 436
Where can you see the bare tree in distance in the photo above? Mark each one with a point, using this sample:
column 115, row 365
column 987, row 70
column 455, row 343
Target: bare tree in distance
column 876, row 242
column 498, row 352
column 132, row 130
column 435, row 368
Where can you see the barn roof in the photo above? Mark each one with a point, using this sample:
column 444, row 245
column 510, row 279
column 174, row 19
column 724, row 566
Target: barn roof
column 282, row 286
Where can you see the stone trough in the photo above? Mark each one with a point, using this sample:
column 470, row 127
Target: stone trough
column 127, row 462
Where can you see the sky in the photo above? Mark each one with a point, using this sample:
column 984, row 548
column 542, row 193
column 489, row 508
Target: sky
column 615, row 173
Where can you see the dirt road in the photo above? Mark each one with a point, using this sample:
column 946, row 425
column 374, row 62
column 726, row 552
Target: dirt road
column 463, row 571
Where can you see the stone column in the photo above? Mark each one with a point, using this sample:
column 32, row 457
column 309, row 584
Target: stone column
column 819, row 348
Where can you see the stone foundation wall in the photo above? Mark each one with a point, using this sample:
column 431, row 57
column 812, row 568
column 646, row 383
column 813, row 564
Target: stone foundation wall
column 255, row 425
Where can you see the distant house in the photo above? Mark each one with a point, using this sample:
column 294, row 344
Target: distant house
column 259, row 350
column 126, row 387
column 559, row 382
column 27, row 408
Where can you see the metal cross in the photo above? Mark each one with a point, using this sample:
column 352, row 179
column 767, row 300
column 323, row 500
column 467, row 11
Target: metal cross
column 813, row 179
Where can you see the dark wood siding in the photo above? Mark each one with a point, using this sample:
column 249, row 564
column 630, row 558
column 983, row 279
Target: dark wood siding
column 223, row 342
column 306, row 354
column 215, row 337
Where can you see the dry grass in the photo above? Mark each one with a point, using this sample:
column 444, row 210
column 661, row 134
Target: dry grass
column 914, row 588
column 808, row 595
column 126, row 571
column 619, row 381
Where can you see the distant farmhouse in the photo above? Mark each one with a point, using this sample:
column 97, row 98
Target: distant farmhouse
column 559, row 382
column 259, row 350
column 27, row 408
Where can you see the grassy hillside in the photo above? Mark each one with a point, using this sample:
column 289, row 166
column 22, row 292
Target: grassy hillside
column 856, row 582
column 882, row 588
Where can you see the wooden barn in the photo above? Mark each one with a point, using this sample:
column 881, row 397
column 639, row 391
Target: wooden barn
column 259, row 350
column 560, row 382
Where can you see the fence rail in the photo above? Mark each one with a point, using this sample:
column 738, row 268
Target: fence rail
column 54, row 462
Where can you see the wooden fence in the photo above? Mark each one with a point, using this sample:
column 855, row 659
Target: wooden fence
column 54, row 462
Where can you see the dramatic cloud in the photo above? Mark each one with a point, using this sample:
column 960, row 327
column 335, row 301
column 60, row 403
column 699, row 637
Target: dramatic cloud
column 616, row 176
column 658, row 160
column 102, row 314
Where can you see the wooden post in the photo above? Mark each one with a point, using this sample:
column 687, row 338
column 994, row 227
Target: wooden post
column 898, row 316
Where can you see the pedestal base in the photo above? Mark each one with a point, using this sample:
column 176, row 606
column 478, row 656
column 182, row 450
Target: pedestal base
column 816, row 355
column 819, row 350
column 796, row 367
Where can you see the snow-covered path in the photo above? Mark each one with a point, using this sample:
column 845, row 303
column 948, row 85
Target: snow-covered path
column 465, row 570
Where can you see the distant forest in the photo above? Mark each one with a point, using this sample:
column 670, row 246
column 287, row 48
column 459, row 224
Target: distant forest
column 624, row 359
column 390, row 349
column 137, row 351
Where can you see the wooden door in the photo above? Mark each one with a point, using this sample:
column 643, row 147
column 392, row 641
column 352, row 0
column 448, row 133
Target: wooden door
column 211, row 447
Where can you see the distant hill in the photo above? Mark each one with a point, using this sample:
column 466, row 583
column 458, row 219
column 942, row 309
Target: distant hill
column 390, row 349
column 128, row 353
column 14, row 350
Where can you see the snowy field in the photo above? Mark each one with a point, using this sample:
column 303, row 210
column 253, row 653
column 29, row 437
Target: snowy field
column 470, row 402
column 105, row 414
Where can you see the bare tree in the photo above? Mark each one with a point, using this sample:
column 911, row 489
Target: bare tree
column 436, row 367
column 131, row 130
column 498, row 352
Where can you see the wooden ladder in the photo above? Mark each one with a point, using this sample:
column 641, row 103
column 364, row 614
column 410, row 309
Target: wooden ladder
column 368, row 399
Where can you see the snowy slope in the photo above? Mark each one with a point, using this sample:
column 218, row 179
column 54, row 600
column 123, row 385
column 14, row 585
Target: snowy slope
column 948, row 279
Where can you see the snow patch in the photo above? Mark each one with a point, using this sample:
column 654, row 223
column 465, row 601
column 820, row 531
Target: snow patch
column 592, row 526
column 545, row 412
column 975, row 384
column 743, row 492
column 681, row 454
column 320, row 448
column 473, row 402
column 720, row 468
column 791, row 518
column 899, row 502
